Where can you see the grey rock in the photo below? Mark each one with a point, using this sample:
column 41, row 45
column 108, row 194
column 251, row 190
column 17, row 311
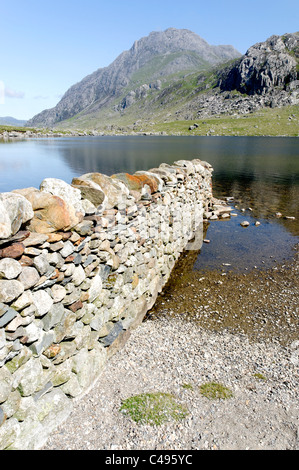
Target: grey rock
column 5, row 383
column 53, row 317
column 9, row 431
column 84, row 227
column 8, row 316
column 95, row 196
column 112, row 336
column 265, row 66
column 28, row 379
column 2, row 416
column 41, row 263
column 45, row 340
column 10, row 290
column 23, row 301
column 29, row 277
column 54, row 408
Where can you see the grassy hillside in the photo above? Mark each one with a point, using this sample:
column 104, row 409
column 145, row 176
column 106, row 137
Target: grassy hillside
column 266, row 122
column 174, row 108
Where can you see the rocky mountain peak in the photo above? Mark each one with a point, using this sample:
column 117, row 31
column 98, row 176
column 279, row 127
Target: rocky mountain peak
column 159, row 54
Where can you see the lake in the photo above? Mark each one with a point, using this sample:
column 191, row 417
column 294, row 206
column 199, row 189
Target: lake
column 261, row 174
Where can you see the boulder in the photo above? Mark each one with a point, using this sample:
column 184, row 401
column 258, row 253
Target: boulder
column 137, row 181
column 51, row 213
column 154, row 179
column 132, row 182
column 15, row 210
column 114, row 191
column 92, row 194
column 5, row 225
column 63, row 190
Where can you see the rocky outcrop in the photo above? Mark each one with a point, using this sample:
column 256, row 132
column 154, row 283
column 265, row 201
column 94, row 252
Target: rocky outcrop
column 265, row 66
column 266, row 76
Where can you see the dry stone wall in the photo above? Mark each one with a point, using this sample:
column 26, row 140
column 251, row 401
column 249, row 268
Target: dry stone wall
column 80, row 265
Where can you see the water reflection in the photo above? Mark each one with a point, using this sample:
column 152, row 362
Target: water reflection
column 259, row 172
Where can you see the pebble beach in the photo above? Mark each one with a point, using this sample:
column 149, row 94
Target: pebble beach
column 173, row 353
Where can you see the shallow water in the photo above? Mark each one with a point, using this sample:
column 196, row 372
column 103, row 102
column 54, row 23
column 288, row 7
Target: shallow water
column 260, row 173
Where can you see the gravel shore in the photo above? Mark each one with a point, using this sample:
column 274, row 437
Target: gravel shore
column 169, row 353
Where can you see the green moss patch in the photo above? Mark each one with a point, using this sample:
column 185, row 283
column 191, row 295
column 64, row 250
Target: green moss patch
column 153, row 408
column 215, row 391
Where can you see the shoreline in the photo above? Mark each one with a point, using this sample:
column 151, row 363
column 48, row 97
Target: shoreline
column 262, row 374
column 21, row 136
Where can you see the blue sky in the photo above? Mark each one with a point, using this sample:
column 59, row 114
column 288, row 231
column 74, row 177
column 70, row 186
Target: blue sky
column 47, row 46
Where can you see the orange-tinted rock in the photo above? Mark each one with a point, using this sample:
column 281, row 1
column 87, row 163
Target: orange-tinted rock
column 51, row 213
column 26, row 261
column 132, row 182
column 76, row 306
column 52, row 351
column 54, row 237
column 16, row 250
column 150, row 181
column 137, row 181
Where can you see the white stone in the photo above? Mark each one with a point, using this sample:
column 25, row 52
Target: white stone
column 9, row 268
column 95, row 288
column 29, row 277
column 78, row 275
column 43, row 302
column 23, row 301
column 58, row 293
column 33, row 332
column 18, row 208
column 64, row 190
column 5, row 224
column 68, row 249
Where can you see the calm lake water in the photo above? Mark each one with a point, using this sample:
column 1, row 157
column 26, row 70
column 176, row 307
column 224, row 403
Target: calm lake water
column 260, row 173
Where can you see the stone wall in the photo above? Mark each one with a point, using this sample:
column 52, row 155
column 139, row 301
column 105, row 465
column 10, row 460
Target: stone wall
column 80, row 265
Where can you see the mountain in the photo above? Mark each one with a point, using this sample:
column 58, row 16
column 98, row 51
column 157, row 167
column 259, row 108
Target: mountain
column 148, row 63
column 176, row 76
column 10, row 121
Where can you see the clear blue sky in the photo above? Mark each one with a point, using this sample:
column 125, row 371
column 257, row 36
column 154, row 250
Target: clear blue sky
column 47, row 46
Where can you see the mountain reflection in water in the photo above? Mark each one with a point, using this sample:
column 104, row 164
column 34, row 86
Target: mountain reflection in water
column 261, row 174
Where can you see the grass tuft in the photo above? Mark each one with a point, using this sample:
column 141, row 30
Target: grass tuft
column 153, row 408
column 215, row 391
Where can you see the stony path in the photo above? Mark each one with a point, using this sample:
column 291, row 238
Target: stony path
column 166, row 354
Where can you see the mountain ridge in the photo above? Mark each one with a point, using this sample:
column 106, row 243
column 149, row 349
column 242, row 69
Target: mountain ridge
column 100, row 87
column 11, row 121
column 182, row 86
